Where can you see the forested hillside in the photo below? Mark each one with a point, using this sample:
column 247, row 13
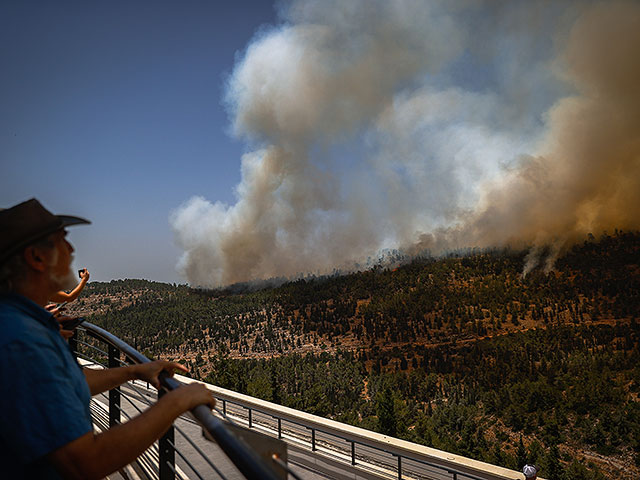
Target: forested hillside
column 461, row 353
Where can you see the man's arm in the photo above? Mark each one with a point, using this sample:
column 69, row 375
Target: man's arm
column 96, row 456
column 102, row 380
column 63, row 296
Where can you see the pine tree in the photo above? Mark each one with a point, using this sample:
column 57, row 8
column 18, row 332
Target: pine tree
column 521, row 455
column 387, row 421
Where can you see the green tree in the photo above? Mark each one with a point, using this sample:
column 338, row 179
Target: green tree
column 521, row 455
column 387, row 422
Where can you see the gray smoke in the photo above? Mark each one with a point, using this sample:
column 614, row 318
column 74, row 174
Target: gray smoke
column 415, row 124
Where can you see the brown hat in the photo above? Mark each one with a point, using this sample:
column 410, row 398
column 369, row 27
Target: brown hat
column 23, row 224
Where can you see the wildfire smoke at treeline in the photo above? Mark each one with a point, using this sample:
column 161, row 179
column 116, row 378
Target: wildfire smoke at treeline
column 423, row 124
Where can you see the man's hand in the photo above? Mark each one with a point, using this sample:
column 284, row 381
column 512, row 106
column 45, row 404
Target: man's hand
column 103, row 380
column 191, row 395
column 85, row 275
column 60, row 317
column 149, row 371
column 55, row 310
column 66, row 334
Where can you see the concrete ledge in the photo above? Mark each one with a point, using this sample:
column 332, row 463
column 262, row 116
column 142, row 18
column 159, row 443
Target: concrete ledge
column 361, row 436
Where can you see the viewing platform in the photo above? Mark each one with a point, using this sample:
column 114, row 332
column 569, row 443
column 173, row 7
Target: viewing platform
column 251, row 434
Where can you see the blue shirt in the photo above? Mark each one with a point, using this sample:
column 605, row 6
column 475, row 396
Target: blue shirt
column 44, row 402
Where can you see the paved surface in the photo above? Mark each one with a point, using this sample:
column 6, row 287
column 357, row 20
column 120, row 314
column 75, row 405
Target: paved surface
column 213, row 465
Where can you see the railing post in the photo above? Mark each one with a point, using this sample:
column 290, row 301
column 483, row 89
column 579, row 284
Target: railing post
column 313, row 439
column 167, row 452
column 353, row 453
column 250, row 419
column 224, row 407
column 73, row 343
column 399, row 467
column 279, row 428
column 114, row 394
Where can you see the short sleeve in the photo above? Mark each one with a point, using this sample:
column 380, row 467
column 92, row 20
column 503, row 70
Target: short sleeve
column 42, row 403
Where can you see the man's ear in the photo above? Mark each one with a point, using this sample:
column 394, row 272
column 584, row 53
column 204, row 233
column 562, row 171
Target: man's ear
column 35, row 258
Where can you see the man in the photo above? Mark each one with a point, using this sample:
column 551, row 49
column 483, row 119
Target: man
column 45, row 424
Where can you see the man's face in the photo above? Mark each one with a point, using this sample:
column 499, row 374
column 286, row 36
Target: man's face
column 60, row 273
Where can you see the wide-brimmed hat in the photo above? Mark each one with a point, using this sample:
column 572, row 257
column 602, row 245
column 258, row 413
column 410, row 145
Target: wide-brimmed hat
column 23, row 224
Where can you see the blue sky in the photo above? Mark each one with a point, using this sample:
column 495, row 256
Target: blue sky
column 114, row 111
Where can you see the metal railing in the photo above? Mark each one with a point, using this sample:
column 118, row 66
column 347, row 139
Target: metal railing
column 357, row 452
column 315, row 444
column 160, row 461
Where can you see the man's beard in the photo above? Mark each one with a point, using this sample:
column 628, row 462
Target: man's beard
column 66, row 281
column 63, row 282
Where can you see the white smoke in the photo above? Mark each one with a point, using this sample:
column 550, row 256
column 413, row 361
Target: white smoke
column 419, row 123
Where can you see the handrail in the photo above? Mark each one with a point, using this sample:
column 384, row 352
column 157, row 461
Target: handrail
column 242, row 456
column 310, row 438
column 446, row 463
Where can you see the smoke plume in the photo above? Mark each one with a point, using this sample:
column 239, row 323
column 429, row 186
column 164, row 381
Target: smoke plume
column 415, row 124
